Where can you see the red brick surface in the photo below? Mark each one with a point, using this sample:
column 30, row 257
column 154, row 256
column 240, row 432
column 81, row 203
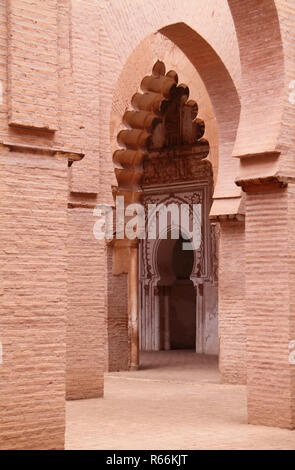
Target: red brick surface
column 269, row 307
column 231, row 304
column 33, row 63
column 61, row 67
column 33, row 301
column 85, row 62
column 85, row 312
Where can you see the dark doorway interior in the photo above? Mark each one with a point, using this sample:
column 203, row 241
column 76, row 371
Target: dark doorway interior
column 175, row 266
column 183, row 315
column 182, row 300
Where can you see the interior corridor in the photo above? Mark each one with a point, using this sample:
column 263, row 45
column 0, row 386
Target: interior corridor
column 175, row 401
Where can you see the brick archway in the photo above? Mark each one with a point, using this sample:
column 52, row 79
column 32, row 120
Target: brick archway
column 261, row 158
column 208, row 35
column 59, row 79
column 159, row 91
column 225, row 103
column 163, row 120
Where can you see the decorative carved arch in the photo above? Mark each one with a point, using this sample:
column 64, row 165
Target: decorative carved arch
column 164, row 133
column 162, row 118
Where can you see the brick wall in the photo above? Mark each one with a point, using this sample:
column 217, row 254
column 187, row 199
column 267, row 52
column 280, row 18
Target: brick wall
column 85, row 36
column 77, row 50
column 86, row 292
column 87, row 284
column 33, row 233
column 36, row 70
column 232, row 328
column 39, row 97
column 270, row 314
column 33, row 63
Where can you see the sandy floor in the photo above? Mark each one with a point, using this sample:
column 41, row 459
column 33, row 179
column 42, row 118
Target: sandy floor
column 174, row 402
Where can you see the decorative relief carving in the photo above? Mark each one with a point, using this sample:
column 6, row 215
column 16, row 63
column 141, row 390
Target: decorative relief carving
column 199, row 194
column 168, row 169
column 163, row 154
column 163, row 123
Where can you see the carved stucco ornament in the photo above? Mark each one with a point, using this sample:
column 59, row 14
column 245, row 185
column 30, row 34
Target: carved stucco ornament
column 163, row 136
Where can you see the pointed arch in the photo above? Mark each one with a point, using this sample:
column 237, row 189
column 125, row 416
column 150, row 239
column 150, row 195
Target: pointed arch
column 162, row 117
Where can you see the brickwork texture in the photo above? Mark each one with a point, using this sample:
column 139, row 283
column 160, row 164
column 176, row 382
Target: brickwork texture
column 68, row 70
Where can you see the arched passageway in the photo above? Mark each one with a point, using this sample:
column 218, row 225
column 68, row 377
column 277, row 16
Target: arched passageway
column 60, row 102
column 179, row 296
column 182, row 300
column 175, row 298
column 259, row 165
column 163, row 165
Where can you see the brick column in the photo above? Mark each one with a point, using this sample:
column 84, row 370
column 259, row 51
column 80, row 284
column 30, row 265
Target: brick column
column 33, row 267
column 86, row 298
column 269, row 305
column 231, row 298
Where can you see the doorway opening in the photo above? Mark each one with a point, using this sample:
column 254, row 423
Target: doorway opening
column 176, row 293
column 163, row 163
column 182, row 300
